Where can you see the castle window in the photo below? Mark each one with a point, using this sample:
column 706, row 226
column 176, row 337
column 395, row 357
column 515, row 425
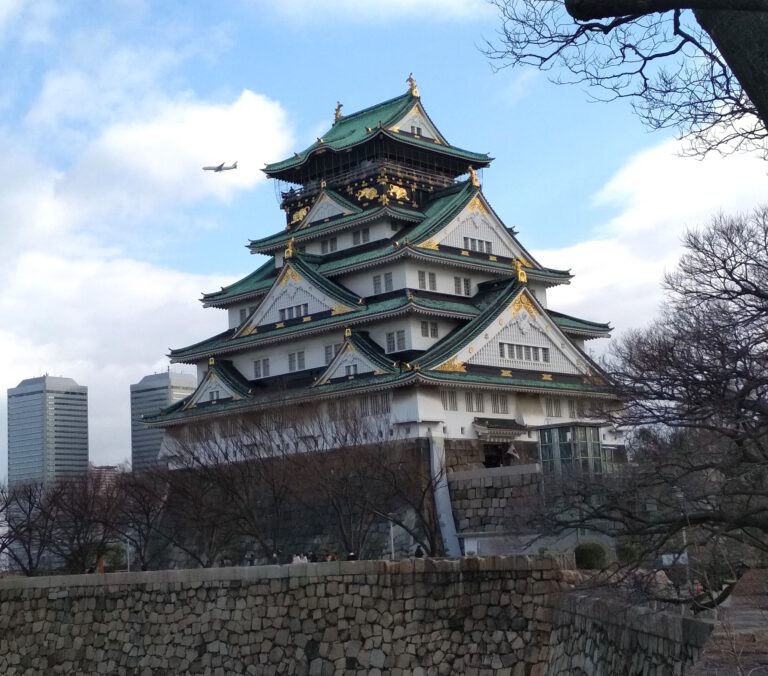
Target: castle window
column 261, row 368
column 422, row 279
column 294, row 312
column 296, row 361
column 416, row 131
column 388, row 281
column 213, row 395
column 448, row 397
column 328, row 245
column 391, row 342
column 331, row 351
column 351, row 369
column 400, row 335
column 361, row 236
column 376, row 284
column 499, row 403
column 429, row 329
column 475, row 401
column 432, row 281
column 462, row 286
column 424, row 276
column 243, row 314
column 552, row 406
column 524, row 352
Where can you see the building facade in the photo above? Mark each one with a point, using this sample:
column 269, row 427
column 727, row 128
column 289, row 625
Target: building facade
column 47, row 430
column 149, row 396
column 394, row 291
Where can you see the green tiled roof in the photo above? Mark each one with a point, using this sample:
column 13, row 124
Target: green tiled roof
column 353, row 129
column 333, row 289
column 568, row 323
column 260, row 279
column 443, row 377
column 455, row 341
column 282, row 238
column 226, row 342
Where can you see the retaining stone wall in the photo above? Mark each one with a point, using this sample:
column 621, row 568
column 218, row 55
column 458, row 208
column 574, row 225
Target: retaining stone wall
column 505, row 616
column 594, row 636
column 494, row 500
column 470, row 616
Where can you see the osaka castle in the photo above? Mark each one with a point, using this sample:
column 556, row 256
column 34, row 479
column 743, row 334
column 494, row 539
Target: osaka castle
column 393, row 290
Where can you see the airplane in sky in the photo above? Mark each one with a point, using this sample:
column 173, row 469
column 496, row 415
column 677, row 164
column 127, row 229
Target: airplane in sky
column 221, row 167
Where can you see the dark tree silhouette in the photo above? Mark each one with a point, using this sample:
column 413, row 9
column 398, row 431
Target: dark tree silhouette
column 695, row 392
column 700, row 66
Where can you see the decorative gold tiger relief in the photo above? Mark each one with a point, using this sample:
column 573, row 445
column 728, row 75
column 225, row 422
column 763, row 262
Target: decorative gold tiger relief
column 397, row 192
column 299, row 215
column 367, row 194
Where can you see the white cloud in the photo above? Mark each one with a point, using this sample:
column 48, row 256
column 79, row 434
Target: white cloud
column 134, row 168
column 658, row 194
column 104, row 321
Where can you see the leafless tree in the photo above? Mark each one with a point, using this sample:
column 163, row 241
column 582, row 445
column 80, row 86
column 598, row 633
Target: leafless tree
column 30, row 526
column 695, row 391
column 81, row 510
column 700, row 66
column 138, row 515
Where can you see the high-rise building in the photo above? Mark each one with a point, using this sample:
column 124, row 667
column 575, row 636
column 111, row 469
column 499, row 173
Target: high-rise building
column 149, row 396
column 47, row 430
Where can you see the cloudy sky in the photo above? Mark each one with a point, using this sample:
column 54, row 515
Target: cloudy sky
column 111, row 231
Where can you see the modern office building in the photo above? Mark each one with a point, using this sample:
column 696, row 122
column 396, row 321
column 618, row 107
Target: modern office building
column 149, row 396
column 47, row 430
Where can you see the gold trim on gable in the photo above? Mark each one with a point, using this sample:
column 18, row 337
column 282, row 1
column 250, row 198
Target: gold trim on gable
column 290, row 275
column 522, row 302
column 452, row 366
column 429, row 244
column 477, row 205
column 340, row 309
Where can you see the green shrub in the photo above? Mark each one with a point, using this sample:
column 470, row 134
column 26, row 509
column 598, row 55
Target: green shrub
column 590, row 555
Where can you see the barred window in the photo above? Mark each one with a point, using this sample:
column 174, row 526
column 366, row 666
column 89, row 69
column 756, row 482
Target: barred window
column 388, row 286
column 475, row 401
column 391, row 342
column 432, row 281
column 296, row 361
column 243, row 314
column 429, row 329
column 422, row 279
column 331, row 351
column 552, row 407
column 376, row 284
column 499, row 403
column 361, row 236
column 400, row 335
column 374, row 404
column 261, row 368
column 448, row 397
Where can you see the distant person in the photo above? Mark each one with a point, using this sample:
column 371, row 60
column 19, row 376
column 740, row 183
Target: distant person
column 419, row 553
column 312, row 557
column 351, row 556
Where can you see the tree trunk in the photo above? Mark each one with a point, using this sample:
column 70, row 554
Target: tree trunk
column 742, row 39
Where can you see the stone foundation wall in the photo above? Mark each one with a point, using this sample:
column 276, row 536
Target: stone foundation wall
column 494, row 500
column 469, row 616
column 506, row 616
column 593, row 636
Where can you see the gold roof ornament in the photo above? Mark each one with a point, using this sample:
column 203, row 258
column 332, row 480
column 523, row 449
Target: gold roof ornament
column 211, row 361
column 521, row 276
column 412, row 86
column 473, row 177
column 289, row 250
column 347, row 332
column 337, row 112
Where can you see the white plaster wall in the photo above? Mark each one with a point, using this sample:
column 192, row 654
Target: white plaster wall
column 361, row 282
column 377, row 230
column 419, row 342
column 445, row 275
